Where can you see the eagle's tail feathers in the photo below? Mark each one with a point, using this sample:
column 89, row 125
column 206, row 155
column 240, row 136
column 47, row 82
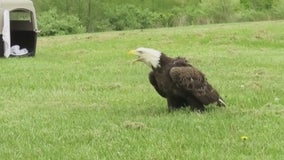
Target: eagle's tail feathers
column 221, row 103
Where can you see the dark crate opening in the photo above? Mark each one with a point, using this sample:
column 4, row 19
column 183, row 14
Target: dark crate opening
column 25, row 39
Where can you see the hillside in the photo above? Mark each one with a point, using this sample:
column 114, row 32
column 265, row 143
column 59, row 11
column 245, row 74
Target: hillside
column 80, row 98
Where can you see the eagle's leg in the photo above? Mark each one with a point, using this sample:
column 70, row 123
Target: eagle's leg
column 195, row 105
column 175, row 103
column 170, row 105
column 199, row 108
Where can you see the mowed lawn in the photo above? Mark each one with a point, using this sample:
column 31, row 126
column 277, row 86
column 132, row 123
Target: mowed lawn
column 81, row 98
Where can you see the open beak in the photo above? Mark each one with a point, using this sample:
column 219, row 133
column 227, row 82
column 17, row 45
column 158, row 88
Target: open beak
column 133, row 52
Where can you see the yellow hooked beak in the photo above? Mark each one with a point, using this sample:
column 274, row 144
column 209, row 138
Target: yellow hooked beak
column 133, row 52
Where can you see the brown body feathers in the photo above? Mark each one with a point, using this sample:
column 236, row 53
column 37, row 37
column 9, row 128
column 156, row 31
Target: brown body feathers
column 183, row 85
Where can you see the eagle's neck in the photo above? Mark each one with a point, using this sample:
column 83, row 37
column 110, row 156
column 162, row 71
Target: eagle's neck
column 164, row 60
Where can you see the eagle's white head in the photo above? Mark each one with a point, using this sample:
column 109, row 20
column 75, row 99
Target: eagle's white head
column 149, row 56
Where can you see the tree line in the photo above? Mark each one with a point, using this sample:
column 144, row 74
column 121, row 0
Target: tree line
column 57, row 17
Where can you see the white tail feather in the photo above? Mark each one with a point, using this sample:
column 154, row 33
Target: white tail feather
column 221, row 102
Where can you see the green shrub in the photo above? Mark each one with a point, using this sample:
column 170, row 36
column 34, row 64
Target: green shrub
column 95, row 15
column 220, row 11
column 278, row 10
column 51, row 23
column 253, row 15
column 178, row 17
column 258, row 5
column 125, row 17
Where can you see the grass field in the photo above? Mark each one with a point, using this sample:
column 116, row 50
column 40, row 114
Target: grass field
column 80, row 98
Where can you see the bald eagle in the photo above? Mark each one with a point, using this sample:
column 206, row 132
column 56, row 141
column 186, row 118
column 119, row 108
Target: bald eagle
column 178, row 81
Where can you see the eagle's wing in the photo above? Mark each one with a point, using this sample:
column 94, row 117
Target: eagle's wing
column 155, row 85
column 190, row 80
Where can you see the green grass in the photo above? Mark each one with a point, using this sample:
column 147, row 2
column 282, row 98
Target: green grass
column 80, row 98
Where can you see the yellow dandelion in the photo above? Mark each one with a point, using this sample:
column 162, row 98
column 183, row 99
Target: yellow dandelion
column 244, row 138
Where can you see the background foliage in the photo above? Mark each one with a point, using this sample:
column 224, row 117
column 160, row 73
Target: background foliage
column 76, row 16
column 53, row 23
